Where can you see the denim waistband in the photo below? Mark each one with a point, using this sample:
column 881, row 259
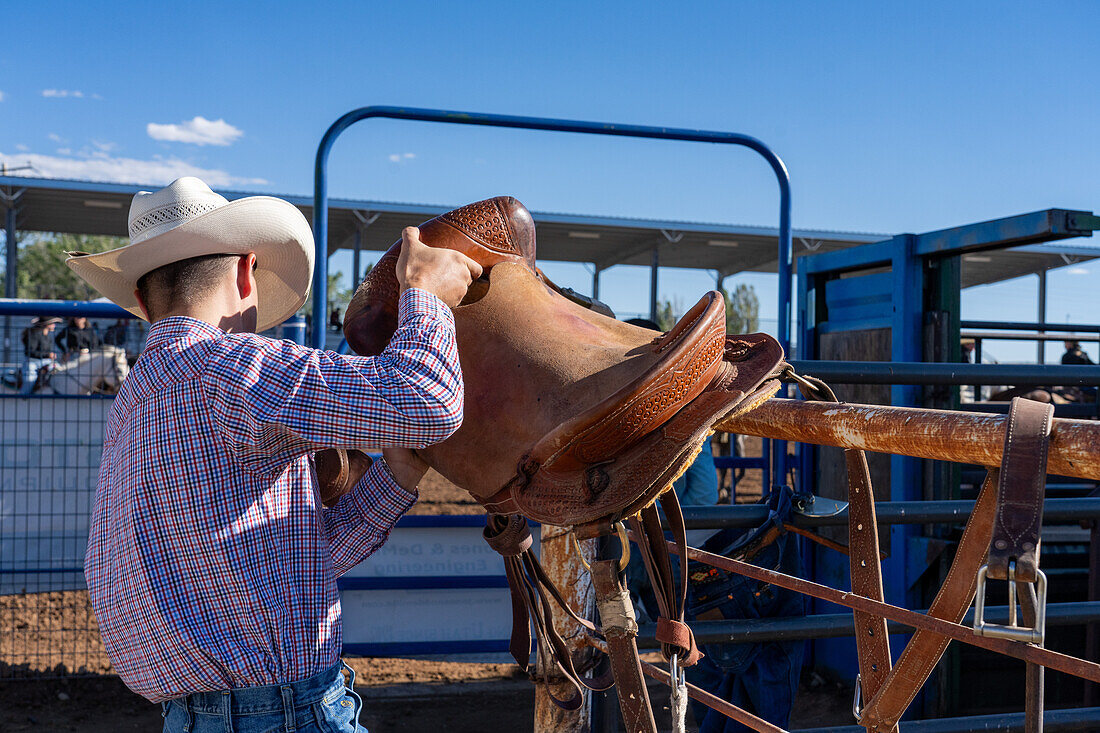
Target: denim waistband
column 269, row 698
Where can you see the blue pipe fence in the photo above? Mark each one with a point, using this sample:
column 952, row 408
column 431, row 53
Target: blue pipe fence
column 320, row 195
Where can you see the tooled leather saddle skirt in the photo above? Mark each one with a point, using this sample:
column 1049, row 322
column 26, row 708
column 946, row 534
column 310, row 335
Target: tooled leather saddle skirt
column 570, row 416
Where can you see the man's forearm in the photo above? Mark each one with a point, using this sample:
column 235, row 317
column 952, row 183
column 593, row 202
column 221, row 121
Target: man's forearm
column 361, row 521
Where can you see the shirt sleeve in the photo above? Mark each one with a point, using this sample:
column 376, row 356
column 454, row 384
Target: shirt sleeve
column 274, row 401
column 361, row 521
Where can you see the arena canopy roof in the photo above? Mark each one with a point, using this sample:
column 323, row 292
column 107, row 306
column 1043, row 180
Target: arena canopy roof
column 83, row 207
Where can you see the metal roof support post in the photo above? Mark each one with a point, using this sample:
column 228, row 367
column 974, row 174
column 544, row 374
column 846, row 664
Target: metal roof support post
column 10, row 263
column 364, row 219
column 654, row 264
column 355, row 259
column 596, row 281
column 1042, row 313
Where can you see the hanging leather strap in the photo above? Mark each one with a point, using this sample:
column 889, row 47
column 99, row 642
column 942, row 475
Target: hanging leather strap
column 529, row 583
column 872, row 642
column 1020, row 503
column 865, row 569
column 882, row 711
column 675, row 635
column 620, row 630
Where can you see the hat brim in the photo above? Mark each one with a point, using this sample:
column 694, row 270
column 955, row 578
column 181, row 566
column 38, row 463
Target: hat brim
column 272, row 228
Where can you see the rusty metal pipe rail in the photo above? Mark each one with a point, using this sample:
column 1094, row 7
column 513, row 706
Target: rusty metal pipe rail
column 835, row 625
column 962, row 437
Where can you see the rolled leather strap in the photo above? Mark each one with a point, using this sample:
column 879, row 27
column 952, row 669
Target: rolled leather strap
column 1020, row 491
column 509, row 535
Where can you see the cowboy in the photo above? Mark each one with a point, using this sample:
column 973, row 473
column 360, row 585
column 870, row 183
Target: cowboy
column 38, row 348
column 211, row 564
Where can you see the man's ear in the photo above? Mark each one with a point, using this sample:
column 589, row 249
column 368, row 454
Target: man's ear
column 246, row 264
column 141, row 304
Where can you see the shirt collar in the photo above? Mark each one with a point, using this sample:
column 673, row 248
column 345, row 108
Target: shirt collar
column 179, row 328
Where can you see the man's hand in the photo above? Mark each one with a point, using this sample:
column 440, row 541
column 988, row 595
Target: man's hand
column 445, row 273
column 407, row 467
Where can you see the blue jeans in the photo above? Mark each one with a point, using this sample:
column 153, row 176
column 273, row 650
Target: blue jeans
column 320, row 704
column 760, row 677
column 30, row 373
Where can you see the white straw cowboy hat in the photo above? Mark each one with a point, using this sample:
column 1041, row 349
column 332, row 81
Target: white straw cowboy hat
column 186, row 220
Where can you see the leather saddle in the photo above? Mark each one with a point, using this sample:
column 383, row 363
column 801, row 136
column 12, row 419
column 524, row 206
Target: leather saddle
column 570, row 416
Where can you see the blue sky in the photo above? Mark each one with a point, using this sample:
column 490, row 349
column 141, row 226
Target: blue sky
column 891, row 117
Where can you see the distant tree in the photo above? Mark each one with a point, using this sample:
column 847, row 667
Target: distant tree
column 41, row 271
column 668, row 312
column 742, row 309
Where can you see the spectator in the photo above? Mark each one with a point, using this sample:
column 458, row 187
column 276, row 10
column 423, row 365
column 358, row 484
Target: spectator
column 1075, row 354
column 334, row 321
column 116, row 334
column 77, row 337
column 39, row 351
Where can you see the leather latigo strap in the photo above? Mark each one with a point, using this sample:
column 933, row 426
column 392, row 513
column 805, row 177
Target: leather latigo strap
column 872, row 642
column 620, row 630
column 1020, row 490
column 675, row 635
column 865, row 570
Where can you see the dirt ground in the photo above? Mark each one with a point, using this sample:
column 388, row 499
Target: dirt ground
column 55, row 634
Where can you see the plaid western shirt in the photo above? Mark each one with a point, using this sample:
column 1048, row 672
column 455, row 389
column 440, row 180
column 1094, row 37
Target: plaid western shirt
column 211, row 563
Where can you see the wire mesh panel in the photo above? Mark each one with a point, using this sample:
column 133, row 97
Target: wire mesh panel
column 49, row 457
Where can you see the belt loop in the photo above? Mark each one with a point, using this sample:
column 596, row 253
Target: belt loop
column 227, row 710
column 288, row 706
column 350, row 683
column 188, row 714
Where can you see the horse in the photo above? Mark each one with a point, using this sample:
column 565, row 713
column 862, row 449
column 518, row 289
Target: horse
column 91, row 372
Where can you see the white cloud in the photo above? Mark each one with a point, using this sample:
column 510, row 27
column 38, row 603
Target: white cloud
column 1, row 96
column 123, row 170
column 22, row 148
column 64, row 151
column 199, row 131
column 1077, row 271
column 399, row 157
column 61, row 93
column 56, row 138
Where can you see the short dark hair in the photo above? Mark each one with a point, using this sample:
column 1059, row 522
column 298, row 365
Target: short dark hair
column 181, row 283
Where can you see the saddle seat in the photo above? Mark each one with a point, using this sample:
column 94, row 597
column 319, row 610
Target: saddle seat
column 570, row 416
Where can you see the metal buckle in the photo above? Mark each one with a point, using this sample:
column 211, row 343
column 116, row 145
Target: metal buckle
column 1012, row 631
column 857, row 699
column 624, row 542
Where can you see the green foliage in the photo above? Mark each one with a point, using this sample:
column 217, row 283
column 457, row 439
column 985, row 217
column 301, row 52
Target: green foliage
column 41, row 271
column 666, row 316
column 742, row 309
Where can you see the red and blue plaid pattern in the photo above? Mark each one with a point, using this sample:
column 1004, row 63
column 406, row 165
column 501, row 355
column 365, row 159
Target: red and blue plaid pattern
column 211, row 563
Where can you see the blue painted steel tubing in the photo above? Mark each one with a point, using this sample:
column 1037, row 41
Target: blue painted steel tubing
column 320, row 196
column 916, row 372
column 63, row 308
